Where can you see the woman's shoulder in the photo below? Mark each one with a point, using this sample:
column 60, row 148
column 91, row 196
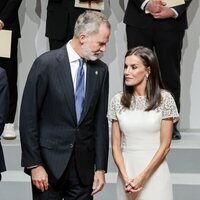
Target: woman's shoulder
column 165, row 94
column 167, row 98
column 117, row 97
column 168, row 106
column 115, row 106
column 116, row 101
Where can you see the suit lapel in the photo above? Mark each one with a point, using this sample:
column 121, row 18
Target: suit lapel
column 64, row 73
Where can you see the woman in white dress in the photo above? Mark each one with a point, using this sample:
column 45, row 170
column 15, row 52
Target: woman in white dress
column 142, row 119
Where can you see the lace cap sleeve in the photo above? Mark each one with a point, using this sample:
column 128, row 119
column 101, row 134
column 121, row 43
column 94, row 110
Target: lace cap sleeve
column 168, row 106
column 114, row 107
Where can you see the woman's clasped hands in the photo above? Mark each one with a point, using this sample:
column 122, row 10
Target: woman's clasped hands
column 135, row 184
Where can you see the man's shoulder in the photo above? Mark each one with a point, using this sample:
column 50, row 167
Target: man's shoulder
column 2, row 71
column 50, row 57
column 49, row 61
column 3, row 77
column 99, row 63
column 43, row 62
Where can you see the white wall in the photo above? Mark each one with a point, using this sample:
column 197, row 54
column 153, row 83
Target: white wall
column 33, row 43
column 190, row 75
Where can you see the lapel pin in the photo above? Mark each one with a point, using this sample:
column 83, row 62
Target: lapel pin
column 96, row 72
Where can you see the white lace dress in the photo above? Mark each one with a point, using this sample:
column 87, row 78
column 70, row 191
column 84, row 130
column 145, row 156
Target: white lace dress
column 140, row 140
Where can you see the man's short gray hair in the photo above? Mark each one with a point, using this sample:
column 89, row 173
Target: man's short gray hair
column 89, row 22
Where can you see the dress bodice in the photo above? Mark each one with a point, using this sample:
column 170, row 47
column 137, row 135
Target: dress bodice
column 141, row 129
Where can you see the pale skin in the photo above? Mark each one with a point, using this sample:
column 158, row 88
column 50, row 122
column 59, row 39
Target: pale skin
column 95, row 44
column 40, row 179
column 136, row 75
column 159, row 10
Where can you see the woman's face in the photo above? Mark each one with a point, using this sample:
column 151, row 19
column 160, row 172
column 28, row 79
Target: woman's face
column 135, row 73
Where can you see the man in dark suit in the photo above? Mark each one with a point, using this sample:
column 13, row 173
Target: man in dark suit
column 160, row 28
column 4, row 102
column 66, row 154
column 9, row 20
column 61, row 18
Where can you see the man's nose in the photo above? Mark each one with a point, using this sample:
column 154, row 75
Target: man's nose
column 103, row 48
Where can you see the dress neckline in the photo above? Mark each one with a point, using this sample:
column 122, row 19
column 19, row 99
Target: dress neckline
column 141, row 97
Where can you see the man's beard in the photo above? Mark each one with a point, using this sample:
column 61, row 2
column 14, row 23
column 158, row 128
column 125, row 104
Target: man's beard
column 88, row 55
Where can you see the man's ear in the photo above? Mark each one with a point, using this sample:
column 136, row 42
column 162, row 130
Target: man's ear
column 82, row 38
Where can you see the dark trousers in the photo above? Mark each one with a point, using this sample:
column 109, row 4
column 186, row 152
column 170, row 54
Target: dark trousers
column 55, row 44
column 10, row 66
column 68, row 187
column 167, row 46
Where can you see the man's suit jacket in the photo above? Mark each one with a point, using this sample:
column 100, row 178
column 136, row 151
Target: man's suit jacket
column 4, row 102
column 9, row 15
column 136, row 17
column 61, row 18
column 48, row 128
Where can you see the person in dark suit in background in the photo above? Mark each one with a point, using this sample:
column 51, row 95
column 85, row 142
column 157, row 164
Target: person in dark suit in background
column 61, row 18
column 9, row 20
column 63, row 127
column 161, row 29
column 4, row 103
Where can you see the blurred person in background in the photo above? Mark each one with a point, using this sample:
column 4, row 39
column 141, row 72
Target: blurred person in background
column 9, row 21
column 154, row 25
column 4, row 103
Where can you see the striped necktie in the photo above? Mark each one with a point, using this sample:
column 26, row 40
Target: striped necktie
column 79, row 95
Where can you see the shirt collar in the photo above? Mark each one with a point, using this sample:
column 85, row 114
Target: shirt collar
column 73, row 56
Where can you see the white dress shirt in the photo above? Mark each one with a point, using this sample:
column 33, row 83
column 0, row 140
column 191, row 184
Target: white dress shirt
column 74, row 64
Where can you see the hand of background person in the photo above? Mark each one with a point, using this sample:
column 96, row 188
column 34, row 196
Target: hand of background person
column 165, row 13
column 39, row 178
column 154, row 6
column 99, row 181
column 1, row 24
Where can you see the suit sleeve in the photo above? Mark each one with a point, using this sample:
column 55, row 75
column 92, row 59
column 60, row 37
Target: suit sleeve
column 33, row 96
column 138, row 3
column 4, row 99
column 182, row 8
column 10, row 11
column 101, row 126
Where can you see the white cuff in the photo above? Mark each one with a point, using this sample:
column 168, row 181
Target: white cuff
column 176, row 13
column 144, row 4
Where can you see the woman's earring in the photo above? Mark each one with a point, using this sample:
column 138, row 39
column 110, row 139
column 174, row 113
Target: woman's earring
column 147, row 76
